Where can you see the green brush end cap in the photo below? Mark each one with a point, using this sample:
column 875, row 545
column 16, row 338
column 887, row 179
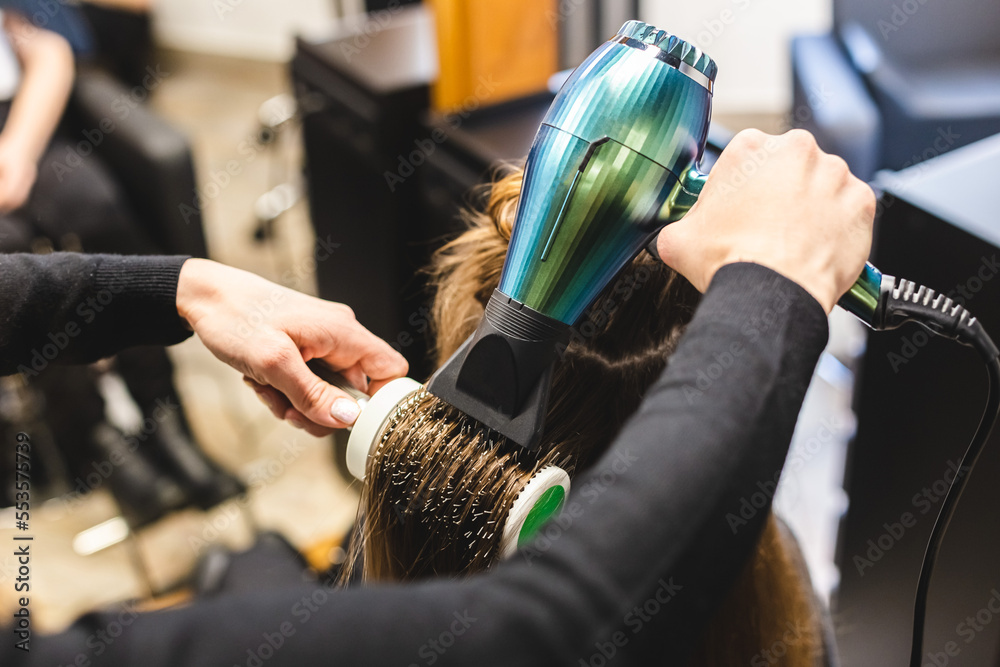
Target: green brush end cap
column 545, row 508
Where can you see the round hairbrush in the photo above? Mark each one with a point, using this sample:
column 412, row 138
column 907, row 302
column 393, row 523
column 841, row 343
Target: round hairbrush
column 540, row 499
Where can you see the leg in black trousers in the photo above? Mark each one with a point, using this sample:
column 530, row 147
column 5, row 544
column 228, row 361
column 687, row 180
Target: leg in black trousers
column 61, row 212
column 82, row 208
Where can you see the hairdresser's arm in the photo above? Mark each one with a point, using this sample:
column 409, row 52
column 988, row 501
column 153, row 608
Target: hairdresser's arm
column 73, row 308
column 47, row 65
column 647, row 547
column 66, row 308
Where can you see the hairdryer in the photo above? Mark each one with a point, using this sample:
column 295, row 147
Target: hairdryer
column 614, row 161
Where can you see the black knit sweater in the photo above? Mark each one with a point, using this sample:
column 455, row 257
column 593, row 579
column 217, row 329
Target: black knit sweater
column 66, row 308
column 630, row 575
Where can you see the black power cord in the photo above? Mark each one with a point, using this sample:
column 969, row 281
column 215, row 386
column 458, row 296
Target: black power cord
column 905, row 301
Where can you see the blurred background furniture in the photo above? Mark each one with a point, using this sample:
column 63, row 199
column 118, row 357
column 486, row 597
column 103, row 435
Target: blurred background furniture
column 582, row 24
column 116, row 74
column 490, row 53
column 918, row 400
column 149, row 157
column 136, row 193
column 360, row 111
column 472, row 148
column 897, row 83
column 122, row 37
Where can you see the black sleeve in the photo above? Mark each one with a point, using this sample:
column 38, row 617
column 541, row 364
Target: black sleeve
column 643, row 552
column 73, row 308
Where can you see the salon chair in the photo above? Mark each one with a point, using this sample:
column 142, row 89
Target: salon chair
column 152, row 162
column 896, row 83
column 150, row 158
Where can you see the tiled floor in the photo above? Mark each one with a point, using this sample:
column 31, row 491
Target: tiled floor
column 295, row 488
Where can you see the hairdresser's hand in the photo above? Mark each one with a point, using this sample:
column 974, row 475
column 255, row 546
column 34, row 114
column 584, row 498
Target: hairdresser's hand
column 268, row 332
column 17, row 174
column 781, row 202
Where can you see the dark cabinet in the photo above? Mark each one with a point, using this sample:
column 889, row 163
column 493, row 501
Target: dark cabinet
column 918, row 402
column 361, row 98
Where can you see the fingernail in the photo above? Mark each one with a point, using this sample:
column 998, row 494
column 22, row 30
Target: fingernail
column 345, row 410
column 296, row 422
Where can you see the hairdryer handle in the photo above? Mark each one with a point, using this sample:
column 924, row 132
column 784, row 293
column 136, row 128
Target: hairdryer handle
column 684, row 197
column 862, row 300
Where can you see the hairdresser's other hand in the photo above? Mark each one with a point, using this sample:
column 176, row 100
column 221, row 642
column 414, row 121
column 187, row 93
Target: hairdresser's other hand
column 17, row 174
column 781, row 202
column 269, row 332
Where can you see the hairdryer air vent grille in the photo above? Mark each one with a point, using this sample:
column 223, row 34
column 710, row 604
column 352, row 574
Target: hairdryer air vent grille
column 672, row 44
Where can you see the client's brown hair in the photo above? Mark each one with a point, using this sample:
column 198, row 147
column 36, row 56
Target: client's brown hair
column 439, row 487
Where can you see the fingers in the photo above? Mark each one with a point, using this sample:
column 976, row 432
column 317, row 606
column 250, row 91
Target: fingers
column 366, row 360
column 668, row 241
column 681, row 247
column 284, row 369
column 214, row 300
column 274, row 400
column 381, row 370
column 281, row 408
column 291, row 391
column 298, row 420
column 357, row 378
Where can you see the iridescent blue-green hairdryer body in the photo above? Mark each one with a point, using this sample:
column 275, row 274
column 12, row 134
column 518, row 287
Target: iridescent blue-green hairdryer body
column 614, row 161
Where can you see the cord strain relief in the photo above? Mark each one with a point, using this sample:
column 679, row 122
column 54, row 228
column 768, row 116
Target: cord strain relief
column 939, row 313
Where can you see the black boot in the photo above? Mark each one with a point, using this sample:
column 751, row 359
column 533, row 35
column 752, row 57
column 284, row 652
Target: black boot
column 98, row 454
column 144, row 494
column 166, row 437
column 174, row 451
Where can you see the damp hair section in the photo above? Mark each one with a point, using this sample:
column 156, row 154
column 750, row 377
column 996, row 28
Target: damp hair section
column 444, row 486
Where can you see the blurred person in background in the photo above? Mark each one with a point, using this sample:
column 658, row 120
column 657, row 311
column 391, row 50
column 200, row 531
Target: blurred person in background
column 49, row 201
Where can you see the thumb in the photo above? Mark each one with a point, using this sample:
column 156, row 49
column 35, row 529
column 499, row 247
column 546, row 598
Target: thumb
column 319, row 401
column 677, row 244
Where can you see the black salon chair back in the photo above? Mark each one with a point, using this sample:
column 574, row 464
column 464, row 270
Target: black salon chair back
column 900, row 81
column 149, row 157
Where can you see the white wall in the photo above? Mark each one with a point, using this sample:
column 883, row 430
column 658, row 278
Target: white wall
column 258, row 29
column 748, row 39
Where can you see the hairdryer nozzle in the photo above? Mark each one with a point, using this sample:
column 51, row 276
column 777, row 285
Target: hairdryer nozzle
column 501, row 375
